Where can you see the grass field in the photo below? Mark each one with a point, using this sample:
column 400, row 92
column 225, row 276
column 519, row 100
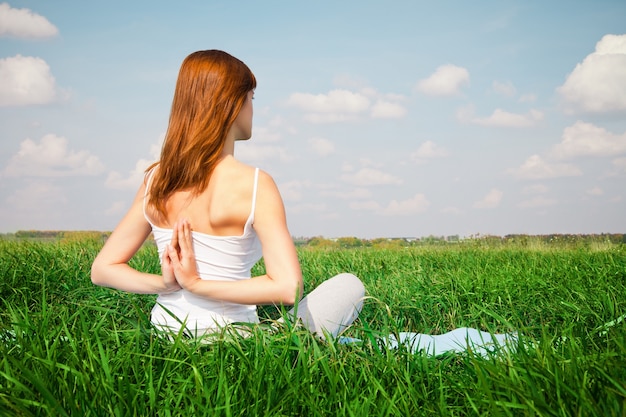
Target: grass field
column 68, row 348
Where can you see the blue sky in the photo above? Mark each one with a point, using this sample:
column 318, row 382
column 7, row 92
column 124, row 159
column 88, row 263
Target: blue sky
column 376, row 119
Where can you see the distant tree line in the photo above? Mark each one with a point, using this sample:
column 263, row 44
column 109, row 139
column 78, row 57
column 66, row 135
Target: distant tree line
column 354, row 242
column 57, row 235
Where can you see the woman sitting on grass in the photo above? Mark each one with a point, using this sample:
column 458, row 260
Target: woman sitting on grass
column 214, row 217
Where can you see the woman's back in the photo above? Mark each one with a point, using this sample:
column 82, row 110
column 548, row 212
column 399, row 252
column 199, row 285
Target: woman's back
column 221, row 209
column 225, row 244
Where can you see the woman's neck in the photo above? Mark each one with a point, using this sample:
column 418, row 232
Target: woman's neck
column 229, row 147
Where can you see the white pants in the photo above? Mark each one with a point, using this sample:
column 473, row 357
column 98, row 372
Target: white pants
column 332, row 306
column 337, row 302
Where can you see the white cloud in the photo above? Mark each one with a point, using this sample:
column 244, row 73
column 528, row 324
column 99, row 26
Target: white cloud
column 23, row 23
column 356, row 194
column 37, row 197
column 155, row 148
column 306, row 207
column 25, row 80
column 349, row 81
column 37, row 204
column 535, row 189
column 324, row 118
column 369, row 176
column 528, row 98
column 598, row 84
column 292, row 190
column 337, row 105
column 619, row 166
column 535, row 168
column 369, row 205
column 585, row 139
column 501, row 118
column 347, row 167
column 595, row 191
column 51, row 158
column 276, row 121
column 504, row 88
column 117, row 208
column 387, row 110
column 334, row 101
column 251, row 152
column 414, row 205
column 117, row 181
column 447, row 80
column 491, row 200
column 321, row 146
column 452, row 210
column 368, row 162
column 343, row 105
column 428, row 150
column 537, row 201
column 297, row 195
column 265, row 135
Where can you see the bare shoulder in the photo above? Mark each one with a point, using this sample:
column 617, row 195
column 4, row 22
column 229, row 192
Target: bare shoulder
column 266, row 179
column 269, row 203
column 235, row 171
column 240, row 175
column 267, row 187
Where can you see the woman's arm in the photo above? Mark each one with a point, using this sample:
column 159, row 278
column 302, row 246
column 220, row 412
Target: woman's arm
column 110, row 268
column 282, row 283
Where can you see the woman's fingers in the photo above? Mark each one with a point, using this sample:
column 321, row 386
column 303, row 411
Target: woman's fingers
column 182, row 255
column 167, row 269
column 181, row 245
column 184, row 237
column 174, row 242
column 172, row 255
column 165, row 258
column 181, row 237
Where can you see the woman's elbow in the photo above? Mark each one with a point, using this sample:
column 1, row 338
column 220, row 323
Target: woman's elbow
column 292, row 293
column 97, row 277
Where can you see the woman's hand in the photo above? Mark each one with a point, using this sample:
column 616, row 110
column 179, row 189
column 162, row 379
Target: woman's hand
column 181, row 257
column 167, row 271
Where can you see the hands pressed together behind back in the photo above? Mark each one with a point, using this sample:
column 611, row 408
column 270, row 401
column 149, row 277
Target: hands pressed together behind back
column 178, row 262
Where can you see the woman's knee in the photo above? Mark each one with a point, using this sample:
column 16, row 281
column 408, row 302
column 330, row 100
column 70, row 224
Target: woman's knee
column 351, row 284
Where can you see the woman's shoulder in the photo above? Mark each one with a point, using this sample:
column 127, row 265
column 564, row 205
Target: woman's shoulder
column 235, row 166
column 242, row 171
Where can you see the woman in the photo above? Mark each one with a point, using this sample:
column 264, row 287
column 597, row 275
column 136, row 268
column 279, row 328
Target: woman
column 213, row 218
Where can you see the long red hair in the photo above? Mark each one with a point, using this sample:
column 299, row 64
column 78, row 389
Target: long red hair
column 211, row 89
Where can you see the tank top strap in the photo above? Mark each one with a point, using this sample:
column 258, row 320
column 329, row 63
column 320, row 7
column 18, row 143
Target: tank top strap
column 254, row 191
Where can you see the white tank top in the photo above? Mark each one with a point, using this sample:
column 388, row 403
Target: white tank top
column 220, row 258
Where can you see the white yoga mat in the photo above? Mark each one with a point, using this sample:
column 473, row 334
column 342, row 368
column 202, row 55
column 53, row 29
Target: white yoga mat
column 455, row 341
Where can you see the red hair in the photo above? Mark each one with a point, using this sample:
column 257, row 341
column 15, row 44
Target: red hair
column 211, row 89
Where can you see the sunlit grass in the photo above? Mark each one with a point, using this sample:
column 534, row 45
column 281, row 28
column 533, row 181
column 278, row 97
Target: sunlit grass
column 70, row 348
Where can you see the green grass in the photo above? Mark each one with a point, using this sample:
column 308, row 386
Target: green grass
column 70, row 348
